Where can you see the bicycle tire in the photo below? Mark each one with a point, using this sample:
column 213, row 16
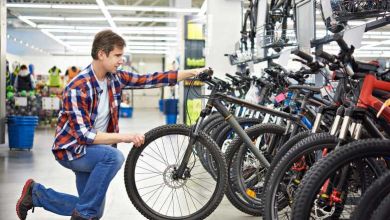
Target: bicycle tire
column 280, row 166
column 315, row 177
column 133, row 162
column 234, row 195
column 372, row 198
column 221, row 134
column 383, row 211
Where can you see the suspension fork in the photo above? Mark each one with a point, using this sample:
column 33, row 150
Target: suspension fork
column 194, row 133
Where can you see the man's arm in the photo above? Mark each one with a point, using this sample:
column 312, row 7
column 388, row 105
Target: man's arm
column 157, row 79
column 114, row 138
column 185, row 74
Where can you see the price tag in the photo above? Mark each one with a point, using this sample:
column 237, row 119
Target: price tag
column 49, row 103
column 21, row 101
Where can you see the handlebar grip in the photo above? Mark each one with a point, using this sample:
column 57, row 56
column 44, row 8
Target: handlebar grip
column 230, row 76
column 325, row 55
column 303, row 55
column 340, row 41
column 206, row 74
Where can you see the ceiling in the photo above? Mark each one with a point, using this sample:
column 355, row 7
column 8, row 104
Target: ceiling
column 67, row 27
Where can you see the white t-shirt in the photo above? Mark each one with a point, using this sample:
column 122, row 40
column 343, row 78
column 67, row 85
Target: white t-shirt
column 103, row 112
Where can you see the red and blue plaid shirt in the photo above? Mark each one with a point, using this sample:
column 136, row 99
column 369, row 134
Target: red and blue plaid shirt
column 75, row 126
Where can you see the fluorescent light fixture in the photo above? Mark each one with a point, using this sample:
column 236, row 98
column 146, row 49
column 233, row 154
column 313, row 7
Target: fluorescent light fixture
column 17, row 5
column 144, row 38
column 128, row 47
column 152, row 9
column 105, row 12
column 129, row 19
column 32, row 24
column 53, row 6
column 56, row 39
column 146, row 19
column 96, row 7
column 41, row 18
column 129, row 44
column 134, row 28
column 50, row 26
column 146, row 32
column 203, row 8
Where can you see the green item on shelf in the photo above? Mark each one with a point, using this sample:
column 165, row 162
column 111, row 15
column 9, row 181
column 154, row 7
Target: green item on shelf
column 10, row 95
column 194, row 107
column 32, row 93
column 54, row 77
column 23, row 93
column 10, row 89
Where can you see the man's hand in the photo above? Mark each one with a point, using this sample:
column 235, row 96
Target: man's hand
column 137, row 139
column 197, row 71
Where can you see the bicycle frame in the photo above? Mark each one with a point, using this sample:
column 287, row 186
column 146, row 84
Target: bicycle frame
column 215, row 101
column 366, row 99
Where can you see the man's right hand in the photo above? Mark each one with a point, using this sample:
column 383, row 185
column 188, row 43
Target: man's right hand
column 137, row 139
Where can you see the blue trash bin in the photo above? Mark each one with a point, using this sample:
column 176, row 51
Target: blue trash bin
column 170, row 110
column 161, row 105
column 21, row 131
column 126, row 112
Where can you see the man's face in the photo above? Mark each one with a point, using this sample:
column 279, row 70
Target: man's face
column 113, row 60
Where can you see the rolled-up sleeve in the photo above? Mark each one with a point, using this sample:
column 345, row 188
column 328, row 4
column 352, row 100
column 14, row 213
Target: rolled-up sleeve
column 77, row 108
column 152, row 80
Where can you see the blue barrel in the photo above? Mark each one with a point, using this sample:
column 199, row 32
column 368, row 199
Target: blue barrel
column 170, row 119
column 161, row 105
column 170, row 106
column 126, row 112
column 170, row 110
column 21, row 131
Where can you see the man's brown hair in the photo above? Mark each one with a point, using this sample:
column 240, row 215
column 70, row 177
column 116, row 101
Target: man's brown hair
column 106, row 40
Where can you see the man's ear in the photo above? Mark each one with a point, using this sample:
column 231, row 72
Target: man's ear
column 101, row 54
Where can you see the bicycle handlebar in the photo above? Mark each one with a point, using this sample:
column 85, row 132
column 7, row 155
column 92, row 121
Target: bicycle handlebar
column 326, row 56
column 303, row 55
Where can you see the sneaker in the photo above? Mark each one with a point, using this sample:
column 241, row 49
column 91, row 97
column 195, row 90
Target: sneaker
column 25, row 202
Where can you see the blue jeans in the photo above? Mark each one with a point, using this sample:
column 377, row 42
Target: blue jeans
column 94, row 172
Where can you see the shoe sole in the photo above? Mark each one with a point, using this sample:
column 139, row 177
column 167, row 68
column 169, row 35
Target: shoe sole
column 24, row 192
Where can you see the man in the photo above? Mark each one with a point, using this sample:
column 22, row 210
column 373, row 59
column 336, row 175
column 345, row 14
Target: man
column 88, row 126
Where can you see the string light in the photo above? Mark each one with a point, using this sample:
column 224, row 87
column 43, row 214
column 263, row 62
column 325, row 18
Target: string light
column 28, row 45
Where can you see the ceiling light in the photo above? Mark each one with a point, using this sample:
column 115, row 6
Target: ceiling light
column 144, row 38
column 105, row 12
column 152, row 9
column 146, row 19
column 32, row 24
column 96, row 7
column 147, row 32
column 129, row 19
column 131, row 43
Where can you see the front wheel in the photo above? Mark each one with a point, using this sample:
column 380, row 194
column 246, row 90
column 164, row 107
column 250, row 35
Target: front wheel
column 155, row 190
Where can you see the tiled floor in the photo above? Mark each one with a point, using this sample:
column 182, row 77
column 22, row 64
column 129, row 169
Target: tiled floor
column 39, row 163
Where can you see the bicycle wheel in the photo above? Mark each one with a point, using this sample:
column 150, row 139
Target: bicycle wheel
column 246, row 175
column 372, row 198
column 383, row 210
column 360, row 161
column 150, row 176
column 287, row 172
column 224, row 135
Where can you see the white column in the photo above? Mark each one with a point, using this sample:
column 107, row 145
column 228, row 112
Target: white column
column 3, row 43
column 222, row 33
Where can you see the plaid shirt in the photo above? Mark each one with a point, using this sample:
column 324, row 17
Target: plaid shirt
column 75, row 127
